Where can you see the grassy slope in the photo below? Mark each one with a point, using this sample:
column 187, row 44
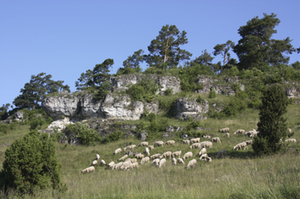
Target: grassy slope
column 240, row 175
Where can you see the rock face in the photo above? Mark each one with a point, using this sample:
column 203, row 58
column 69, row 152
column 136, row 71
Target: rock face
column 186, row 108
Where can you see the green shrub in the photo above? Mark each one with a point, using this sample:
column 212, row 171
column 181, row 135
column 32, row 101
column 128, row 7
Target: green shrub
column 145, row 89
column 35, row 122
column 199, row 99
column 4, row 128
column 31, row 163
column 112, row 137
column 212, row 93
column 234, row 106
column 169, row 92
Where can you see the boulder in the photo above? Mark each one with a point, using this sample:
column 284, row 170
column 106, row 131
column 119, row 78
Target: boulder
column 186, row 108
column 19, row 116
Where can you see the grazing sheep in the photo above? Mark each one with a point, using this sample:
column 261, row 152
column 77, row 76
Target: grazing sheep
column 170, row 142
column 102, row 162
column 125, row 165
column 240, row 146
column 239, row 131
column 227, row 135
column 94, row 162
column 206, row 144
column 145, row 159
column 224, row 130
column 249, row 142
column 117, row 166
column 215, row 139
column 186, row 142
column 206, row 158
column 162, row 162
column 187, row 155
column 133, row 160
column 151, row 147
column 202, row 151
column 158, row 143
column 195, row 146
column 143, row 144
column 155, row 156
column 133, row 165
column 119, row 150
column 191, row 163
column 123, row 158
column 130, row 147
column 251, row 133
column 290, row 130
column 180, row 161
column 167, row 154
column 147, row 152
column 139, row 156
column 89, row 169
column 291, row 140
column 174, row 161
column 155, row 162
column 97, row 156
column 176, row 154
column 195, row 140
column 222, row 154
column 111, row 164
column 206, row 136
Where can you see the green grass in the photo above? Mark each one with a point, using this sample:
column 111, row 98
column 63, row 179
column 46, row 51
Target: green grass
column 239, row 175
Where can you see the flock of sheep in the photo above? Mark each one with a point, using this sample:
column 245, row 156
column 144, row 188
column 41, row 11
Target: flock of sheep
column 159, row 160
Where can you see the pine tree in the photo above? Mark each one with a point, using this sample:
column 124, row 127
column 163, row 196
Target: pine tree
column 272, row 125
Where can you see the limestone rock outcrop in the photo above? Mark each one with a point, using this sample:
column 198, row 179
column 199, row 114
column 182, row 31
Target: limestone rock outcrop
column 186, row 108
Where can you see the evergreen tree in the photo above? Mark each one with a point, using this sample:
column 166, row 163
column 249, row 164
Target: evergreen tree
column 134, row 60
column 204, row 59
column 85, row 81
column 272, row 124
column 223, row 49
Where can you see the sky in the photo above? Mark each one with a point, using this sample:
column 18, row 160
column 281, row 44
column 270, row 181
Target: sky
column 65, row 38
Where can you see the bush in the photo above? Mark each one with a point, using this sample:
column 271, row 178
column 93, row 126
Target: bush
column 169, row 92
column 234, row 106
column 115, row 136
column 31, row 163
column 212, row 93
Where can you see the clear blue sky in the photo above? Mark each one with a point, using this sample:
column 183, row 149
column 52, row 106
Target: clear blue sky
column 67, row 37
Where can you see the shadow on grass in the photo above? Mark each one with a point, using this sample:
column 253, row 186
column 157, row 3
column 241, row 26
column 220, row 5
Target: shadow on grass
column 235, row 154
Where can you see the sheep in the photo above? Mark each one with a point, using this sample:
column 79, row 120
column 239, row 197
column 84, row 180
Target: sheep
column 239, row 131
column 139, row 156
column 215, row 139
column 170, row 142
column 123, row 158
column 89, row 169
column 176, row 154
column 248, row 142
column 174, row 161
column 290, row 130
column 111, row 164
column 147, row 152
column 102, row 162
column 133, row 165
column 130, row 147
column 158, row 143
column 167, row 154
column 97, row 156
column 240, row 146
column 151, row 147
column 227, row 135
column 119, row 150
column 133, row 160
column 206, row 158
column 222, row 154
column 186, row 142
column 155, row 162
column 191, row 163
column 195, row 146
column 180, row 161
column 224, row 130
column 206, row 144
column 206, row 136
column 117, row 166
column 202, row 151
column 145, row 159
column 94, row 162
column 125, row 165
column 187, row 155
column 155, row 156
column 194, row 140
column 162, row 162
column 291, row 140
column 143, row 144
column 251, row 133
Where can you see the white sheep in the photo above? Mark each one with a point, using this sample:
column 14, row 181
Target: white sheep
column 176, row 154
column 151, row 147
column 215, row 139
column 191, row 163
column 202, row 151
column 187, row 155
column 117, row 166
column 227, row 135
column 133, row 165
column 162, row 162
column 123, row 158
column 111, row 164
column 186, row 141
column 167, row 154
column 291, row 140
column 206, row 136
column 130, row 147
column 132, row 160
column 89, row 169
column 206, row 144
column 155, row 156
column 239, row 131
column 251, row 133
column 170, row 142
column 125, row 165
column 205, row 157
column 240, row 146
column 195, row 140
column 158, row 143
column 94, row 162
column 119, row 150
column 155, row 162
column 143, row 144
column 224, row 130
column 102, row 162
column 145, row 159
column 290, row 130
column 249, row 142
column 174, row 161
column 97, row 156
column 180, row 161
column 147, row 152
column 195, row 146
column 139, row 156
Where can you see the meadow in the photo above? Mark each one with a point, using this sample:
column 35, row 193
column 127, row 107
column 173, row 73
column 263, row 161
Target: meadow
column 239, row 175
